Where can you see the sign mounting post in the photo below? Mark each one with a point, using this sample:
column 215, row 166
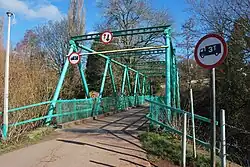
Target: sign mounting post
column 210, row 52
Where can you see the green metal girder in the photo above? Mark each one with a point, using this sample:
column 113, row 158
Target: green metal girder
column 58, row 87
column 124, row 79
column 150, row 73
column 150, row 63
column 151, row 69
column 143, row 85
column 139, row 84
column 154, row 72
column 112, row 80
column 156, row 75
column 168, row 58
column 129, row 84
column 97, row 104
column 169, row 128
column 122, row 33
column 137, row 53
column 136, row 83
column 61, row 114
column 84, row 81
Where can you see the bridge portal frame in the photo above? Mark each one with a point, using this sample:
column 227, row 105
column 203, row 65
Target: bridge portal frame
column 172, row 95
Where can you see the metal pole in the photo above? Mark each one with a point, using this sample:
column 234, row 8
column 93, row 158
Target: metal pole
column 193, row 125
column 213, row 143
column 6, row 81
column 184, row 140
column 223, row 139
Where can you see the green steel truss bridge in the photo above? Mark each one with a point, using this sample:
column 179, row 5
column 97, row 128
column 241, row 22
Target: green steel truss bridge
column 163, row 111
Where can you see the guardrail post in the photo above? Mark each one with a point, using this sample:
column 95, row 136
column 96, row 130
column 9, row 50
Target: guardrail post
column 223, row 139
column 184, row 140
column 193, row 125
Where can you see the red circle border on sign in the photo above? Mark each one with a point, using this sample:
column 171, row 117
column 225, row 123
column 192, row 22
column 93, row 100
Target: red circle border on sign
column 111, row 37
column 223, row 56
column 78, row 58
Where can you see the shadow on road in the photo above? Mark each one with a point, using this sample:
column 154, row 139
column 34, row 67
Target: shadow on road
column 126, row 116
column 134, row 121
column 99, row 131
column 103, row 148
column 132, row 162
column 100, row 163
column 126, row 148
column 110, row 132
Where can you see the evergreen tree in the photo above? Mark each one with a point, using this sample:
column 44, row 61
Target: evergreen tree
column 232, row 83
column 95, row 68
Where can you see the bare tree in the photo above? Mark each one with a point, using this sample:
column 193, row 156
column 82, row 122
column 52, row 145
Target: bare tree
column 76, row 17
column 54, row 36
column 187, row 43
column 129, row 14
column 54, row 39
column 220, row 16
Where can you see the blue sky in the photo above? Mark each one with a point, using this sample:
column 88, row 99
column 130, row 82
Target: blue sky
column 30, row 13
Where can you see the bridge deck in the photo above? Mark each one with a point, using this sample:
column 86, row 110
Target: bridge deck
column 110, row 141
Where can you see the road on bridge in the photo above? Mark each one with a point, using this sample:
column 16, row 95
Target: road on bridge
column 110, row 141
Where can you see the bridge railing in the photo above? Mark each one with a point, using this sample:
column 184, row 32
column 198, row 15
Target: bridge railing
column 34, row 115
column 158, row 117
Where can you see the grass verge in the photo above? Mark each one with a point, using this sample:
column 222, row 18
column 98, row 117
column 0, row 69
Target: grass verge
column 165, row 147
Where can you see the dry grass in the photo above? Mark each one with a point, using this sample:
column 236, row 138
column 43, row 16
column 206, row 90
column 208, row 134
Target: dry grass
column 29, row 82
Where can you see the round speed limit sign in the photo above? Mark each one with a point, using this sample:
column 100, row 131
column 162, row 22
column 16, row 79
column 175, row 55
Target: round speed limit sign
column 106, row 37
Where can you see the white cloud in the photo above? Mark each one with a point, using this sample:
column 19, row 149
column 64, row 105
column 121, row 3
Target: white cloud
column 41, row 11
column 92, row 32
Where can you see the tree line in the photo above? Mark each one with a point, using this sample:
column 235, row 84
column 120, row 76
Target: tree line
column 231, row 20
